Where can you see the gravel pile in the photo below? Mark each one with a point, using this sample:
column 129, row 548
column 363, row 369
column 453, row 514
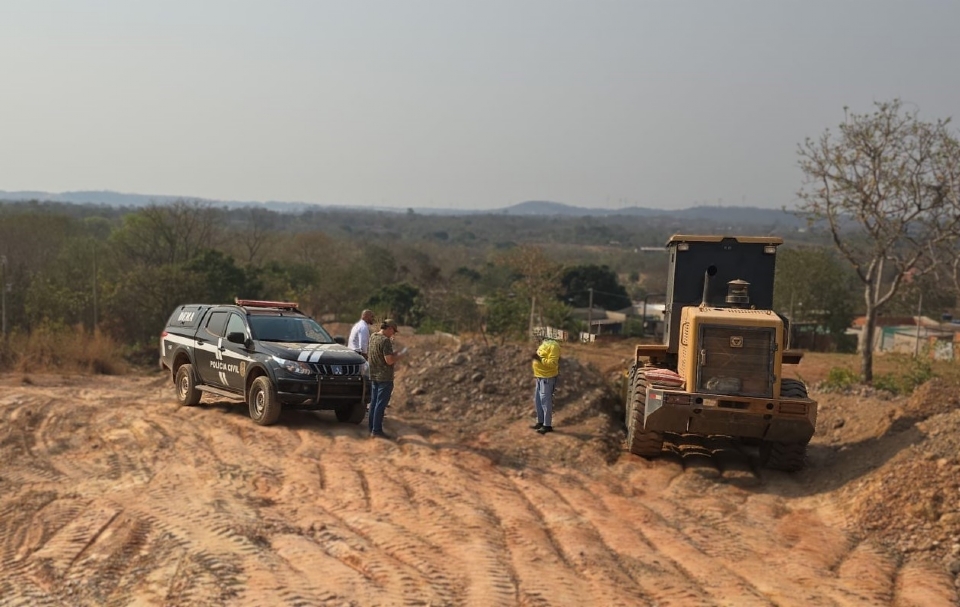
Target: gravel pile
column 911, row 502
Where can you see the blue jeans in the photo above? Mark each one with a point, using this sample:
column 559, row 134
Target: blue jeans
column 543, row 399
column 380, row 392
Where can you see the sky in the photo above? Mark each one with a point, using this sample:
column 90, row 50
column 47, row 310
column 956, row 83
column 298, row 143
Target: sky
column 454, row 104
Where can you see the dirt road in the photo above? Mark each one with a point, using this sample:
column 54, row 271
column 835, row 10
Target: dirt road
column 112, row 495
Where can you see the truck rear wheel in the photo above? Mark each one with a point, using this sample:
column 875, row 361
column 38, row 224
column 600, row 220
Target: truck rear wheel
column 352, row 414
column 187, row 393
column 640, row 441
column 262, row 401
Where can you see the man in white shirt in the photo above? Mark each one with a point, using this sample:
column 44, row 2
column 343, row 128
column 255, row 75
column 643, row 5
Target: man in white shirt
column 360, row 333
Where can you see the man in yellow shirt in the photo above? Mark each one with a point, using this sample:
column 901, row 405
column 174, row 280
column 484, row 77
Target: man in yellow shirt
column 546, row 367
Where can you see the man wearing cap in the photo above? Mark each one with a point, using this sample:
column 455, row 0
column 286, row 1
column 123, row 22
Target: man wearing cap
column 382, row 359
column 546, row 367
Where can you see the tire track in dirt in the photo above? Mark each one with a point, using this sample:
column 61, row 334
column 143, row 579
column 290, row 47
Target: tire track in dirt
column 145, row 502
column 445, row 499
column 580, row 543
column 816, row 564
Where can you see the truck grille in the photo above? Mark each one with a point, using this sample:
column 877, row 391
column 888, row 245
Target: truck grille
column 332, row 389
column 737, row 361
column 337, row 370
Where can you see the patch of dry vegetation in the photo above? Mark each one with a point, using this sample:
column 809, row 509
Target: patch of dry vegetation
column 60, row 349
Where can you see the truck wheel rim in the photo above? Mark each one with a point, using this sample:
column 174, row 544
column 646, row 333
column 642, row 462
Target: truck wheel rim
column 258, row 403
column 184, row 386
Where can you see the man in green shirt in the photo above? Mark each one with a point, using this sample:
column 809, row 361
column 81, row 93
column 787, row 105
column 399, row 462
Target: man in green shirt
column 382, row 358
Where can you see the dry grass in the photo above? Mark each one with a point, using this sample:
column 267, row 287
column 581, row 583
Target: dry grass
column 59, row 349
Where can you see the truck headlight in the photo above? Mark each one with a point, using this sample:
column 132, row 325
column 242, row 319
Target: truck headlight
column 293, row 366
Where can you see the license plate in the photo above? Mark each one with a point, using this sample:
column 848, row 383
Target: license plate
column 710, row 402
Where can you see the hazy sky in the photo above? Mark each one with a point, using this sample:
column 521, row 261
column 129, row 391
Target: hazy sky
column 447, row 103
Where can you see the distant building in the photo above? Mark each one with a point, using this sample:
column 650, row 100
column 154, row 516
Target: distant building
column 909, row 335
column 611, row 323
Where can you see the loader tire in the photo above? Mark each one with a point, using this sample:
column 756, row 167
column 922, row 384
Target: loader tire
column 792, row 388
column 789, row 457
column 640, row 441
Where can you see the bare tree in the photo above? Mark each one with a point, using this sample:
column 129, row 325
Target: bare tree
column 258, row 225
column 879, row 187
column 174, row 233
column 537, row 278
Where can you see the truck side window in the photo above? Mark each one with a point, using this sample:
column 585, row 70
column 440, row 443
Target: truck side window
column 236, row 325
column 218, row 320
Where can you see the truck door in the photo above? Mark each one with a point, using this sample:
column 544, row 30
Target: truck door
column 234, row 356
column 208, row 354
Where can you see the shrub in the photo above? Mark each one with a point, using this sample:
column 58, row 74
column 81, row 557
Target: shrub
column 841, row 378
column 914, row 372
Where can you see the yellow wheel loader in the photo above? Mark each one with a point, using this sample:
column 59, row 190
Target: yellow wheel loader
column 720, row 368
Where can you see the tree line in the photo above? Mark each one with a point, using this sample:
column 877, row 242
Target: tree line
column 124, row 271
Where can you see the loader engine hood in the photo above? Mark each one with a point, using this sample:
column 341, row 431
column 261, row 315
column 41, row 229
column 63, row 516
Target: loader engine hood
column 731, row 351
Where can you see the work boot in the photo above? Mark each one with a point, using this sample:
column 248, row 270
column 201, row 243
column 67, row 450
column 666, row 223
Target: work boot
column 537, row 426
column 545, row 429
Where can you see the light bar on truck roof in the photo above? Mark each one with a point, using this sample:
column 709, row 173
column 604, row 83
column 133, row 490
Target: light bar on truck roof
column 257, row 303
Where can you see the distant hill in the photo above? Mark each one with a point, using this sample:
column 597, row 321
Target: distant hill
column 720, row 215
column 735, row 215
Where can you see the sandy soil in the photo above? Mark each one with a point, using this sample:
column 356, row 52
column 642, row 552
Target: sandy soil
column 110, row 494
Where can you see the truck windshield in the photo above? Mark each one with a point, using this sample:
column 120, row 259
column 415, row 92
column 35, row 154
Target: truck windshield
column 290, row 329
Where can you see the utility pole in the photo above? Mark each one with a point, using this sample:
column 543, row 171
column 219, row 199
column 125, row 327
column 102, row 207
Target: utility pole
column 533, row 308
column 590, row 317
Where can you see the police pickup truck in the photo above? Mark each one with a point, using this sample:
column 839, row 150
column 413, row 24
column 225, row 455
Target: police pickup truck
column 266, row 353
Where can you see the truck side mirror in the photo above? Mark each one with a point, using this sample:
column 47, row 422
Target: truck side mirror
column 236, row 337
column 340, row 340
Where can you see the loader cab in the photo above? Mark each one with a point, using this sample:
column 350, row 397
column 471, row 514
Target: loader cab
column 704, row 269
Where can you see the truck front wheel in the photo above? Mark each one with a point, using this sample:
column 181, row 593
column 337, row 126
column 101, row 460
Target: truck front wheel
column 263, row 402
column 352, row 414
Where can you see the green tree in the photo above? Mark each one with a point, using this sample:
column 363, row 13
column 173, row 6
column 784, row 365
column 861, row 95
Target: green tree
column 878, row 187
column 608, row 293
column 813, row 285
column 537, row 279
column 219, row 278
column 506, row 315
column 399, row 301
column 451, row 306
column 63, row 291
